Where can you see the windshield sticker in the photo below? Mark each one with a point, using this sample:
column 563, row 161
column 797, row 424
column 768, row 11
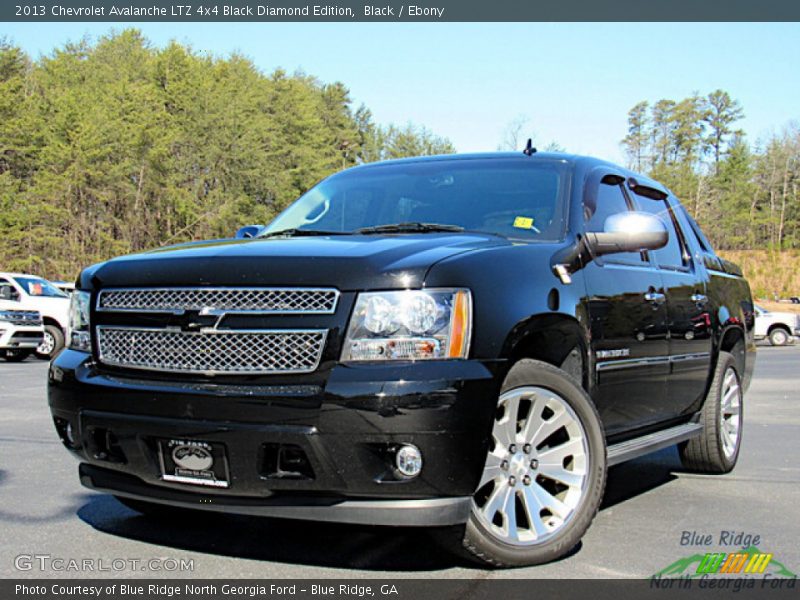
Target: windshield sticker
column 523, row 223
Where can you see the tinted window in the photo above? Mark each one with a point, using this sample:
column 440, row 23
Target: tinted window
column 516, row 198
column 672, row 255
column 609, row 200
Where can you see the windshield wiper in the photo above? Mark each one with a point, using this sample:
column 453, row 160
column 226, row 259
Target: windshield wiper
column 410, row 227
column 294, row 232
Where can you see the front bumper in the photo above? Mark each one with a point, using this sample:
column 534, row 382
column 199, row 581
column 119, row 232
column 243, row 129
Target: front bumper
column 425, row 512
column 346, row 425
column 16, row 337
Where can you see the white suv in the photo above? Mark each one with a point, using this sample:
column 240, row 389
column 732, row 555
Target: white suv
column 779, row 327
column 23, row 292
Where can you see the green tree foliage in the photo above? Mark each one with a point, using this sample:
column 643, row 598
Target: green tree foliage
column 745, row 198
column 118, row 146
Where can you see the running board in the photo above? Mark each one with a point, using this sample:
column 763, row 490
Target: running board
column 624, row 451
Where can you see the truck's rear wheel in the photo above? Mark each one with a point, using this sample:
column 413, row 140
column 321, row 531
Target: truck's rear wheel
column 545, row 471
column 717, row 449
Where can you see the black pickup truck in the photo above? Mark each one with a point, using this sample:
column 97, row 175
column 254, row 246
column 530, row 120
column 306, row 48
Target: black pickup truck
column 462, row 342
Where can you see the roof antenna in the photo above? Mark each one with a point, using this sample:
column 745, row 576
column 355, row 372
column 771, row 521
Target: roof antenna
column 529, row 149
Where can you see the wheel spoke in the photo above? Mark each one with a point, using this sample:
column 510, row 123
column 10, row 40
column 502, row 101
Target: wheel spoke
column 492, row 469
column 559, row 473
column 549, row 427
column 557, row 454
column 550, row 502
column 494, row 502
column 505, row 430
column 731, row 410
column 727, row 439
column 730, row 395
column 533, row 508
column 510, row 515
column 534, row 419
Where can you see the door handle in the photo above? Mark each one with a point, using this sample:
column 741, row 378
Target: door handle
column 655, row 298
column 699, row 298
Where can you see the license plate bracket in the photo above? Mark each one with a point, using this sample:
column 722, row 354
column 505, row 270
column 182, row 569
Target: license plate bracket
column 193, row 462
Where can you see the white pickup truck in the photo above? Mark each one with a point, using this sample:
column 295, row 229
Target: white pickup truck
column 778, row 327
column 21, row 333
column 21, row 292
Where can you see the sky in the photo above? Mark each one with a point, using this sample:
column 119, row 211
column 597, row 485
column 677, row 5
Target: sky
column 575, row 82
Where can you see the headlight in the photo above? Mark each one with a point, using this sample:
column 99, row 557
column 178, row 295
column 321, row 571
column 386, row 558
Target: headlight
column 409, row 325
column 79, row 334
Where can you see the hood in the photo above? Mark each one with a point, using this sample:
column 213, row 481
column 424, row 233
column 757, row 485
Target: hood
column 346, row 262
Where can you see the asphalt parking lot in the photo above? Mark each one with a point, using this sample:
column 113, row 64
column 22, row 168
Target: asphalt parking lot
column 649, row 503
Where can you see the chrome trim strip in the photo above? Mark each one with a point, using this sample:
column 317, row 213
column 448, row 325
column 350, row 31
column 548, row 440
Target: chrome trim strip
column 612, row 365
column 209, row 331
column 691, row 356
column 212, row 310
column 192, row 480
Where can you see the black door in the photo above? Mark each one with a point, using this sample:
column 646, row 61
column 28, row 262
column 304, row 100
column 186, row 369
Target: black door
column 689, row 321
column 628, row 311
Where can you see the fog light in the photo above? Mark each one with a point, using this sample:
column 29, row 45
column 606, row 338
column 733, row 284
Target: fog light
column 69, row 434
column 409, row 460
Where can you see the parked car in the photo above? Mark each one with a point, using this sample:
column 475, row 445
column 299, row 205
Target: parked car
column 466, row 341
column 21, row 332
column 778, row 327
column 32, row 293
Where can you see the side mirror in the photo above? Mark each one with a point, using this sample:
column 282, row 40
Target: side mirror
column 6, row 292
column 249, row 231
column 629, row 232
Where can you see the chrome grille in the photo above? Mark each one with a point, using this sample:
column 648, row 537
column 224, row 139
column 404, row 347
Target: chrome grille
column 211, row 352
column 22, row 318
column 228, row 300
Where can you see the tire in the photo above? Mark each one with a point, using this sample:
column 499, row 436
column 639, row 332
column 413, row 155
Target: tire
column 15, row 355
column 541, row 520
column 779, row 337
column 52, row 344
column 717, row 449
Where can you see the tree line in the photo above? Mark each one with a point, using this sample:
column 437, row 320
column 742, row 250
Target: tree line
column 117, row 146
column 744, row 196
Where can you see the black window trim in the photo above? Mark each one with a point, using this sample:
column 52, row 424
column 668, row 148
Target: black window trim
column 596, row 181
column 686, row 254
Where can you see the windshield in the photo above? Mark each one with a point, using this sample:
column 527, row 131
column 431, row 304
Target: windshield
column 39, row 287
column 513, row 198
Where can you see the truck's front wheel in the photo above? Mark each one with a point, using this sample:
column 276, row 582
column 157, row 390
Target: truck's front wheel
column 545, row 470
column 52, row 343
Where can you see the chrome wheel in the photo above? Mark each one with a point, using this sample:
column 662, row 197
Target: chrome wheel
column 730, row 412
column 536, row 469
column 47, row 345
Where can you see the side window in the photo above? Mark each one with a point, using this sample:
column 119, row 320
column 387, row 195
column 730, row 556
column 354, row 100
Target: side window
column 674, row 254
column 8, row 291
column 609, row 200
